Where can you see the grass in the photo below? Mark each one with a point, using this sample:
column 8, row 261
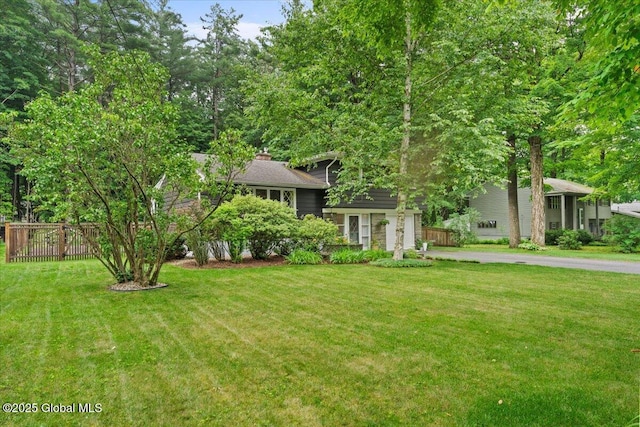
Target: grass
column 452, row 345
column 589, row 252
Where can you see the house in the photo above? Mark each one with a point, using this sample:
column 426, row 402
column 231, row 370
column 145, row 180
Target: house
column 369, row 221
column 565, row 208
column 628, row 209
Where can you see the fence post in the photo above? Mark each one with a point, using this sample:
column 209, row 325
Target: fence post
column 61, row 242
column 7, row 240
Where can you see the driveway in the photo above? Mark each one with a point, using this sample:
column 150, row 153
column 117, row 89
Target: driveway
column 628, row 267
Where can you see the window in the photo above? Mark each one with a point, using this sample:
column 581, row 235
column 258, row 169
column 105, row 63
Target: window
column 286, row 196
column 554, row 226
column 603, row 202
column 553, row 202
column 488, row 224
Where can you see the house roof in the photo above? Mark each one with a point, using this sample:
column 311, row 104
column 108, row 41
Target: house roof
column 270, row 173
column 629, row 209
column 561, row 186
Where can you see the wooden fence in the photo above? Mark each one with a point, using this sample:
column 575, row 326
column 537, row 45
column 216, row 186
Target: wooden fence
column 439, row 236
column 27, row 242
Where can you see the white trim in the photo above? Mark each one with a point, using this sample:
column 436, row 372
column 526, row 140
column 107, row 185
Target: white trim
column 281, row 190
column 367, row 211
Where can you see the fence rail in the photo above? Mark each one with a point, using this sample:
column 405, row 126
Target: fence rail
column 26, row 242
column 439, row 236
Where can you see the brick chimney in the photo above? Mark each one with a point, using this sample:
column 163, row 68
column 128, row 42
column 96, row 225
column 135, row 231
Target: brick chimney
column 263, row 155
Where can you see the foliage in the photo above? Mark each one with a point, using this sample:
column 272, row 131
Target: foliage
column 199, row 246
column 313, row 233
column 108, row 154
column 263, row 224
column 96, row 155
column 530, row 246
column 411, row 254
column 623, row 231
column 403, row 263
column 347, row 256
column 176, row 249
column 551, row 236
column 376, row 254
column 569, row 240
column 461, row 226
column 304, row 257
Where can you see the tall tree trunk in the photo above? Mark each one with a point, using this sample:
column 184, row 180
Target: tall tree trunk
column 537, row 191
column 401, row 209
column 512, row 194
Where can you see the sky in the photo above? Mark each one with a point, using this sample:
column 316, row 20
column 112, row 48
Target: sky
column 255, row 14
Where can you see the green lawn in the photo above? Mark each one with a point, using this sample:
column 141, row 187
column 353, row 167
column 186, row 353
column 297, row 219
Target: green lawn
column 452, row 345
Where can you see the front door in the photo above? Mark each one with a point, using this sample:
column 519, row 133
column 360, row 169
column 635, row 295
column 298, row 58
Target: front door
column 354, row 228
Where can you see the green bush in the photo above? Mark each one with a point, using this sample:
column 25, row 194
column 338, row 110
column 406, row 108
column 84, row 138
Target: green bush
column 529, row 246
column 410, row 254
column 376, row 254
column 391, row 263
column 569, row 240
column 261, row 224
column 347, row 256
column 461, row 226
column 197, row 242
column 551, row 237
column 176, row 249
column 302, row 257
column 623, row 231
column 314, row 233
column 585, row 237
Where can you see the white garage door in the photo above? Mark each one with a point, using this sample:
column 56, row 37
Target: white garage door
column 409, row 232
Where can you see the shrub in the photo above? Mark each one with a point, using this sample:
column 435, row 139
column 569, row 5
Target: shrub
column 391, row 263
column 410, row 254
column 623, row 231
column 197, row 242
column 347, row 256
column 302, row 257
column 529, row 246
column 551, row 237
column 376, row 254
column 585, row 237
column 261, row 224
column 315, row 233
column 461, row 226
column 176, row 250
column 569, row 240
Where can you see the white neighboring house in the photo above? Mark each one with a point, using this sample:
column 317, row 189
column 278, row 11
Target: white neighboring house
column 564, row 209
column 628, row 209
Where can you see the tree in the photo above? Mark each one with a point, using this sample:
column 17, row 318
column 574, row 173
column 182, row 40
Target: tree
column 218, row 77
column 22, row 75
column 97, row 155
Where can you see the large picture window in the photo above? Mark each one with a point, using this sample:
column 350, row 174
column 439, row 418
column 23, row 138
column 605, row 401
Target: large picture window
column 286, row 196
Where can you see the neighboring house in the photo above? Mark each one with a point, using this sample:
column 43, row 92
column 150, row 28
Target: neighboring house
column 564, row 209
column 369, row 221
column 628, row 209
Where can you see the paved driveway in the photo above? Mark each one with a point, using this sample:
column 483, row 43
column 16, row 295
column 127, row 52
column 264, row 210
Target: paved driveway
column 579, row 263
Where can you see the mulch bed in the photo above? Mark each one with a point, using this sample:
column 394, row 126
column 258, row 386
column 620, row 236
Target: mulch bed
column 246, row 263
column 132, row 286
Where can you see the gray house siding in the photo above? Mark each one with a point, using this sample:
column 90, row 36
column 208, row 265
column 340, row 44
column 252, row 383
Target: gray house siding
column 378, row 199
column 309, row 202
column 494, row 209
column 320, row 169
column 578, row 214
